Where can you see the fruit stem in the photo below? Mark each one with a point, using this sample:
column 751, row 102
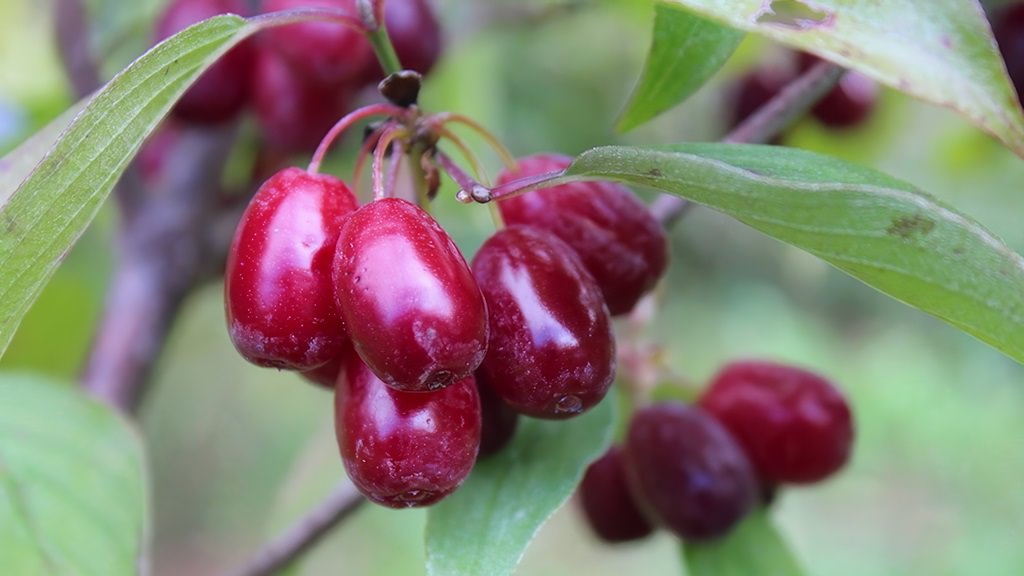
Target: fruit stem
column 346, row 122
column 503, row 152
column 419, row 177
column 364, row 152
column 527, row 184
column 466, row 151
column 293, row 16
column 394, row 166
column 469, row 189
column 389, row 137
column 372, row 14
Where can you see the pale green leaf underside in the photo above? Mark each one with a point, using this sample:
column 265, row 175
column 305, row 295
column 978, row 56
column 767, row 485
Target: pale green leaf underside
column 73, row 492
column 686, row 50
column 872, row 226
column 754, row 548
column 484, row 528
column 941, row 51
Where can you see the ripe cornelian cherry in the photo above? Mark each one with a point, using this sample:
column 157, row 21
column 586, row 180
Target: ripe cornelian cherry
column 325, row 53
column 405, row 449
column 499, row 420
column 620, row 243
column 223, row 90
column 326, row 376
column 608, row 505
column 294, row 113
column 686, row 471
column 552, row 351
column 278, row 294
column 415, row 314
column 794, row 425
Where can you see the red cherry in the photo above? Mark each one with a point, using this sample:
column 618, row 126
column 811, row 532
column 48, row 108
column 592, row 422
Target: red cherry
column 325, row 53
column 620, row 243
column 754, row 90
column 294, row 113
column 1008, row 29
column 794, row 425
column 499, row 420
column 847, row 105
column 222, row 91
column 327, row 376
column 552, row 351
column 687, row 472
column 405, row 449
column 278, row 294
column 608, row 505
column 414, row 32
column 416, row 316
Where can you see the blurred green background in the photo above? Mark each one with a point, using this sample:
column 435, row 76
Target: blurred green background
column 237, row 452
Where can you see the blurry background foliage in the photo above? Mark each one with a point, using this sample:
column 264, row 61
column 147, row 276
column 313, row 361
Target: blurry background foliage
column 237, row 452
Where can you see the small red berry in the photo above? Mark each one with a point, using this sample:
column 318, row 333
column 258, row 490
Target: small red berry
column 294, row 113
column 499, row 420
column 552, row 351
column 608, row 504
column 326, row 376
column 687, row 472
column 414, row 32
column 847, row 105
column 754, row 90
column 325, row 53
column 405, row 449
column 278, row 294
column 223, row 90
column 620, row 243
column 794, row 425
column 415, row 314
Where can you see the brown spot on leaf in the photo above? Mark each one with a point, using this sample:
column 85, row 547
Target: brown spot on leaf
column 794, row 14
column 655, row 172
column 907, row 227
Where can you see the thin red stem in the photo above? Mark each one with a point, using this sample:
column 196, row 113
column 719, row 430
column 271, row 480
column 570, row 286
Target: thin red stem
column 346, row 122
column 283, row 17
column 386, row 139
column 449, row 117
column 469, row 189
column 394, row 165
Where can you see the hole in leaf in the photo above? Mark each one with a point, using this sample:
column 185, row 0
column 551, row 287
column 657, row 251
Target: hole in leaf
column 793, row 14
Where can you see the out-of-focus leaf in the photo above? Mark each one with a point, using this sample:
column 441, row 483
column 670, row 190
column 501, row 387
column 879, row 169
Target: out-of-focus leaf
column 755, row 547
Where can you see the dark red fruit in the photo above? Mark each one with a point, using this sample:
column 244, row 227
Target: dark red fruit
column 794, row 425
column 620, row 243
column 278, row 294
column 847, row 105
column 416, row 316
column 499, row 420
column 414, row 32
column 608, row 505
column 687, row 472
column 552, row 351
column 405, row 449
column 294, row 113
column 1008, row 28
column 223, row 90
column 155, row 150
column 326, row 53
column 327, row 375
column 754, row 90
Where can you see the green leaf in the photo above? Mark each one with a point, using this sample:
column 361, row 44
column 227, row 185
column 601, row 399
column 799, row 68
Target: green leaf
column 484, row 528
column 755, row 547
column 686, row 51
column 941, row 51
column 73, row 493
column 18, row 163
column 872, row 226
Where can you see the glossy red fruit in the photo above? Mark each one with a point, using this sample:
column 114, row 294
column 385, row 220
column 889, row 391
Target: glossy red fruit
column 278, row 294
column 620, row 243
column 416, row 35
column 794, row 425
column 405, row 449
column 499, row 420
column 415, row 314
column 608, row 504
column 294, row 113
column 223, row 90
column 847, row 105
column 754, row 90
column 1008, row 28
column 326, row 53
column 687, row 472
column 327, row 376
column 552, row 351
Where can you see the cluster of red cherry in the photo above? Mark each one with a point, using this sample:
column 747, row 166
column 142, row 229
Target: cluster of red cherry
column 699, row 470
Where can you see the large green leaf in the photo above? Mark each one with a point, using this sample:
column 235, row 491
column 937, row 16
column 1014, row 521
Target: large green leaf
column 755, row 547
column 872, row 226
column 18, row 163
column 686, row 50
column 941, row 51
column 484, row 528
column 72, row 483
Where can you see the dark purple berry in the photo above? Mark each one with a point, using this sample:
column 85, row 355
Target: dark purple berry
column 687, row 472
column 1008, row 29
column 499, row 420
column 608, row 504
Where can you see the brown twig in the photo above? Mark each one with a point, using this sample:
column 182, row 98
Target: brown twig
column 304, row 534
column 791, row 103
